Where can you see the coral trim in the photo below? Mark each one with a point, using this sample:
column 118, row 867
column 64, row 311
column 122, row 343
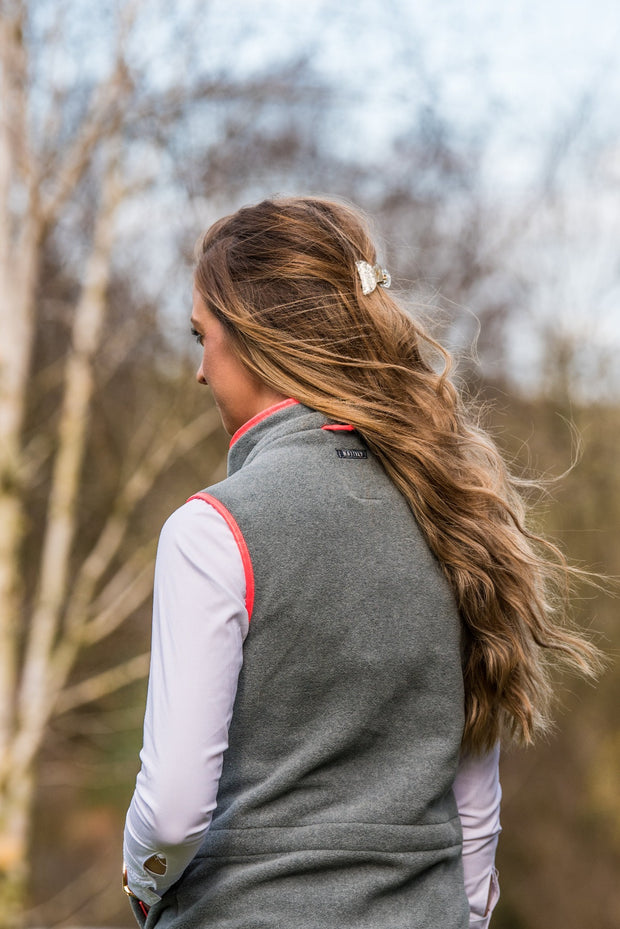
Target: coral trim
column 260, row 417
column 338, row 427
column 248, row 570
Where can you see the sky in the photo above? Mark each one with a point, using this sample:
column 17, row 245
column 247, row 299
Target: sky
column 529, row 79
column 524, row 78
column 523, row 66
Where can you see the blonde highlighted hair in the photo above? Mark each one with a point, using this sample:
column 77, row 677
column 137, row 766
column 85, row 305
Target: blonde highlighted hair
column 281, row 278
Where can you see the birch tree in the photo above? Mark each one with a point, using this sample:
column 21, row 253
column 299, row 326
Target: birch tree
column 80, row 598
column 68, row 152
column 67, row 161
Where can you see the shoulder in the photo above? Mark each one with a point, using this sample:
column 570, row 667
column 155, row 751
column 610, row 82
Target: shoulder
column 196, row 522
column 198, row 537
column 203, row 538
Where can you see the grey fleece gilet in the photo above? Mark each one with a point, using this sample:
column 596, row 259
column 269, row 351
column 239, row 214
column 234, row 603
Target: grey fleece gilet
column 335, row 807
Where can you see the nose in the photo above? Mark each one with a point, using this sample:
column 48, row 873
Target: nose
column 200, row 375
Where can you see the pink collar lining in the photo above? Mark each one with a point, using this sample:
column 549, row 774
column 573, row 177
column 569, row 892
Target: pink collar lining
column 259, row 418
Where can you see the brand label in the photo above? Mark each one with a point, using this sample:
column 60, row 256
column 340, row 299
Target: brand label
column 352, row 453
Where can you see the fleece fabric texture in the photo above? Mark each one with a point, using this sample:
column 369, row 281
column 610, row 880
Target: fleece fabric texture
column 335, row 807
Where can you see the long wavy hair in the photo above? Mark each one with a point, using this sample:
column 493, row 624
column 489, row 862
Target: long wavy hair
column 281, row 277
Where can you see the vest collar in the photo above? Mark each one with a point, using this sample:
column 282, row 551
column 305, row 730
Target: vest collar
column 282, row 418
column 255, row 420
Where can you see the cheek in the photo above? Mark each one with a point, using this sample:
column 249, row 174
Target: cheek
column 212, row 362
column 224, row 373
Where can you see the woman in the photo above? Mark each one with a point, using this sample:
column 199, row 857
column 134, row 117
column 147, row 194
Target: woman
column 347, row 625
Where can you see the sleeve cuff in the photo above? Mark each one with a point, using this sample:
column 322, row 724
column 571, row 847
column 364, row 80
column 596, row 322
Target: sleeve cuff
column 139, row 888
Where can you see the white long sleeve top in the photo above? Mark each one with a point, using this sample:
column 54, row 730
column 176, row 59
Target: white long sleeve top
column 199, row 625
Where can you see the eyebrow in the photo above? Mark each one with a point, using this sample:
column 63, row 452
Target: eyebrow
column 194, row 322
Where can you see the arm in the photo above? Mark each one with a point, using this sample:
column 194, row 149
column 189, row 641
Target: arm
column 199, row 624
column 478, row 795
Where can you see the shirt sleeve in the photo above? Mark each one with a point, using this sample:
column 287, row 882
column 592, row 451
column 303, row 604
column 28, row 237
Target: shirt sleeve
column 478, row 795
column 199, row 624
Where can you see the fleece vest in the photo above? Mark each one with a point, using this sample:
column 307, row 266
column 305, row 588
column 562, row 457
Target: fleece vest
column 335, row 807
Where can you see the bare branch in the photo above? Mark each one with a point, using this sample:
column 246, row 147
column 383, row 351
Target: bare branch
column 128, row 599
column 74, row 895
column 61, row 519
column 131, row 590
column 100, row 685
column 101, row 121
column 115, row 529
column 187, row 438
column 129, row 569
column 104, row 118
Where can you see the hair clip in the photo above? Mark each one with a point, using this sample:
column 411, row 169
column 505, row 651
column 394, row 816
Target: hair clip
column 370, row 276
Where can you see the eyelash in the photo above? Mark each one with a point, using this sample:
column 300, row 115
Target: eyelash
column 196, row 335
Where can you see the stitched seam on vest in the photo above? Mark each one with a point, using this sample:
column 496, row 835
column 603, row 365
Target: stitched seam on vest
column 260, row 417
column 350, row 836
column 363, row 851
column 241, row 545
column 327, row 823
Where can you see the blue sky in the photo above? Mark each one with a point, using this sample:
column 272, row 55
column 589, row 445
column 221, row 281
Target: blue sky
column 520, row 67
column 529, row 79
column 522, row 78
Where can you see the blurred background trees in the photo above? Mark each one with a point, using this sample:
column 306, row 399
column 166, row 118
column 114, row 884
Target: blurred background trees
column 125, row 129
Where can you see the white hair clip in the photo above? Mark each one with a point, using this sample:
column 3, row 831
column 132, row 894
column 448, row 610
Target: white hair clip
column 371, row 275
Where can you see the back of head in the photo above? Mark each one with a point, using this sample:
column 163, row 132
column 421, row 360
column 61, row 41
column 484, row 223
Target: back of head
column 281, row 277
column 281, row 252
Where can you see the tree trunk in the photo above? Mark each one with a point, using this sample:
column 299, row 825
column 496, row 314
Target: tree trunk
column 16, row 798
column 20, row 233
